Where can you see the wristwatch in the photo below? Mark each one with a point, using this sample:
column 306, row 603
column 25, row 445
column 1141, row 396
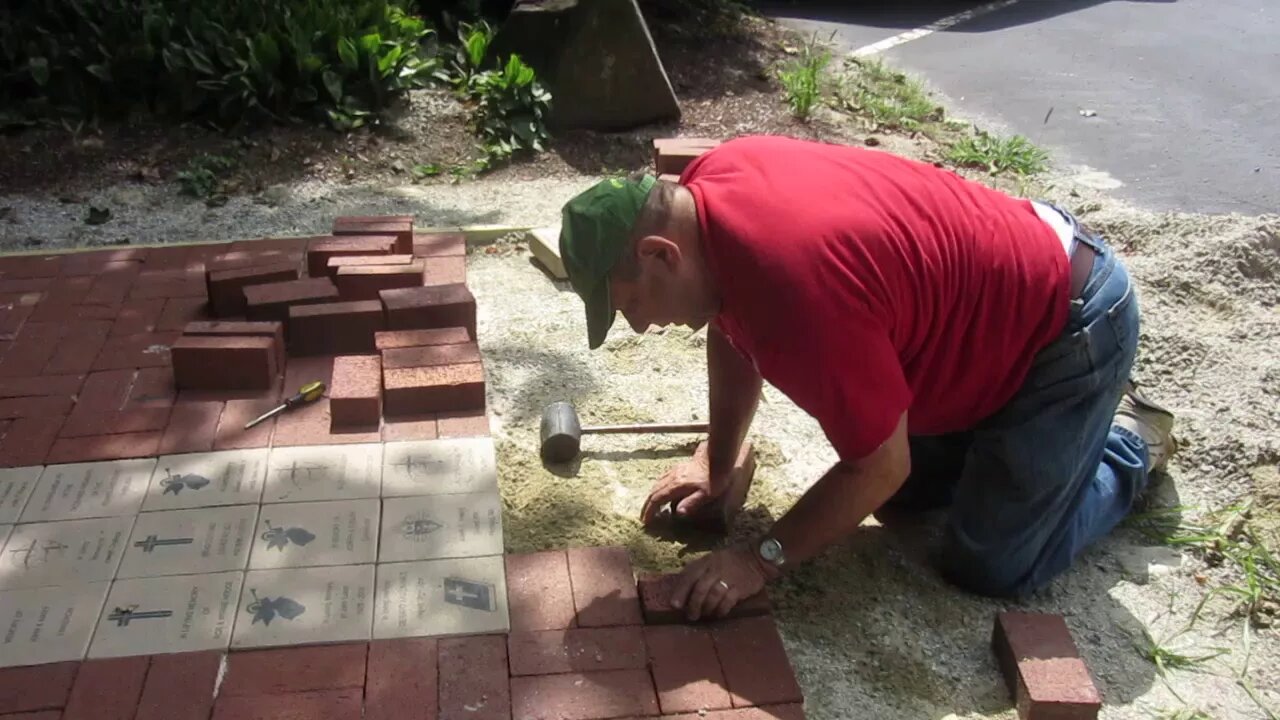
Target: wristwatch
column 770, row 551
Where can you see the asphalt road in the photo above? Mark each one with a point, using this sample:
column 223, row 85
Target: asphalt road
column 1186, row 92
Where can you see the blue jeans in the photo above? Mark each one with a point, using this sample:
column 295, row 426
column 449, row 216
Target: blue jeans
column 1036, row 483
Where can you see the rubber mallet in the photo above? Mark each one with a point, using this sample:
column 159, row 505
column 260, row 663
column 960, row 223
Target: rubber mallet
column 562, row 433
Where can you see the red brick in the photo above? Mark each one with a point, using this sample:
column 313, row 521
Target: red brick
column 319, row 251
column 473, row 679
column 180, row 686
column 342, row 261
column 442, row 306
column 135, row 351
column 1043, row 668
column 604, row 588
column 36, row 687
column 450, row 270
column 37, row 715
column 24, row 285
column 104, row 447
column 551, row 652
column 231, row 327
column 409, row 428
column 273, row 300
column 102, row 398
column 180, row 283
column 417, row 391
column 672, row 155
column 324, row 705
column 207, row 362
column 193, row 426
column 171, row 257
column 402, row 680
column 109, row 290
column 792, row 711
column 655, row 599
column 28, row 441
column 12, row 319
column 399, row 225
column 77, row 313
column 31, row 266
column 355, row 398
column 685, row 669
column 178, row 312
column 389, row 339
column 40, row 385
column 295, row 669
column 584, row 696
column 364, row 282
column 79, row 347
column 239, row 259
column 439, row 244
column 138, row 316
column 60, row 296
column 470, row 423
column 431, row 355
column 312, row 425
column 276, row 245
column 226, row 287
column 538, row 591
column 31, row 350
column 334, row 328
column 107, row 689
column 755, row 662
column 90, row 262
column 41, row 406
column 232, row 434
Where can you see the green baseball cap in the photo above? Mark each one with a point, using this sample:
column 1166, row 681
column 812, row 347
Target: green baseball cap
column 594, row 229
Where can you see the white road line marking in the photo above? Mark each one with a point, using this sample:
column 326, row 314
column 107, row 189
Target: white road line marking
column 931, row 28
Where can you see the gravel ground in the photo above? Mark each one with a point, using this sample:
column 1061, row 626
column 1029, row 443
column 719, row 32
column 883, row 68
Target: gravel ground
column 871, row 629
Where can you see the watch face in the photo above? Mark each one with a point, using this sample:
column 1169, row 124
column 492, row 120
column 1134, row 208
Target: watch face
column 771, row 550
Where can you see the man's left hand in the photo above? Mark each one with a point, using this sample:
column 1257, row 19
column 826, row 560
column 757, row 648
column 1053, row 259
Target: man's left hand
column 712, row 585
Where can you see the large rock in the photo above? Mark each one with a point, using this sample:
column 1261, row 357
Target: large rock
column 597, row 59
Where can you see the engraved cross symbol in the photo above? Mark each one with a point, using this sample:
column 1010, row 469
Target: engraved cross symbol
column 152, row 542
column 294, row 470
column 412, row 464
column 123, row 616
column 457, row 594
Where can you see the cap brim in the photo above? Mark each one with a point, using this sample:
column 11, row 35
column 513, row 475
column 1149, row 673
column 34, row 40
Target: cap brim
column 600, row 315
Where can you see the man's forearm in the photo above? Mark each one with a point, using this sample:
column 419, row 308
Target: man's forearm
column 734, row 392
column 836, row 505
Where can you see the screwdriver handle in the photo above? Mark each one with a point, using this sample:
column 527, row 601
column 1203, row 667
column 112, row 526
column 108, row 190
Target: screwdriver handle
column 308, row 393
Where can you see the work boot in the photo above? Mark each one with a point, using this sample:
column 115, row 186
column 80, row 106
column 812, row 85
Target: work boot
column 1149, row 421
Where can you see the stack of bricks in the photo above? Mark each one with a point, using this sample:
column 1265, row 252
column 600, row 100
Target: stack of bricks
column 228, row 356
column 672, row 155
column 431, row 372
column 94, row 333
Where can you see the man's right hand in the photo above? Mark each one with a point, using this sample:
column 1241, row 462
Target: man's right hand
column 689, row 485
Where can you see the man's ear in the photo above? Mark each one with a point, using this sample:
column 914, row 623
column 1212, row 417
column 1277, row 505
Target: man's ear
column 655, row 248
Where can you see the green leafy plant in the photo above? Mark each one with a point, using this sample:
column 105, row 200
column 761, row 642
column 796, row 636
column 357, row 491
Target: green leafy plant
column 226, row 62
column 203, row 174
column 802, row 80
column 469, row 56
column 511, row 111
column 997, row 155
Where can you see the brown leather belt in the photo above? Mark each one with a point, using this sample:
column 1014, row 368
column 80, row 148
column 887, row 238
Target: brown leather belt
column 1082, row 257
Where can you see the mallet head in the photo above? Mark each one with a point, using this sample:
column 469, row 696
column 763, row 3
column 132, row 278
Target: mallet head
column 561, row 433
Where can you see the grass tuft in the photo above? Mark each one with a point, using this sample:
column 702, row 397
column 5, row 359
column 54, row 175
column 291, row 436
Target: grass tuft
column 886, row 98
column 1166, row 658
column 802, row 79
column 998, row 155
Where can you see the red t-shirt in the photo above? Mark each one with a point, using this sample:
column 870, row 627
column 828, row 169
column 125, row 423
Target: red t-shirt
column 862, row 284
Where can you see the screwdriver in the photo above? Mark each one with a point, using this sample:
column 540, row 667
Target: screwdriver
column 309, row 393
